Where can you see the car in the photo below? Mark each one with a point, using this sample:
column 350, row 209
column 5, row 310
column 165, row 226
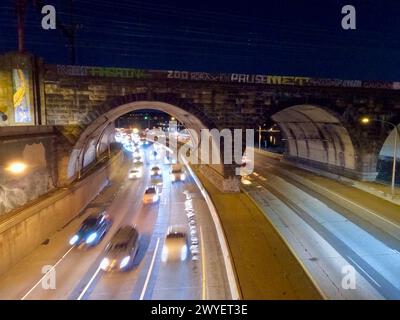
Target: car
column 155, row 171
column 92, row 230
column 151, row 195
column 156, row 181
column 175, row 244
column 135, row 173
column 137, row 160
column 122, row 250
column 177, row 173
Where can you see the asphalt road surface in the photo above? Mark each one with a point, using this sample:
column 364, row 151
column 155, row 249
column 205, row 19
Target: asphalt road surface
column 76, row 270
column 330, row 239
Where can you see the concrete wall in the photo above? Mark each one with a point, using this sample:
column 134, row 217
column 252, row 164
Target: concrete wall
column 22, row 232
column 35, row 147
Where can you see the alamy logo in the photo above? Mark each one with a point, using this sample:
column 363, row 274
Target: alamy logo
column 213, row 146
column 49, row 279
column 349, row 279
column 49, row 20
column 349, row 20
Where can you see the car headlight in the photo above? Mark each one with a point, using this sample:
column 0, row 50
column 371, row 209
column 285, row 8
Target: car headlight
column 104, row 263
column 172, row 177
column 164, row 254
column 155, row 197
column 124, row 262
column 74, row 240
column 184, row 252
column 183, row 176
column 91, row 237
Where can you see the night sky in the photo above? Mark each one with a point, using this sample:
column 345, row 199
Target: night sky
column 283, row 37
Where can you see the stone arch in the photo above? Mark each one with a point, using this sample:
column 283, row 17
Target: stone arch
column 385, row 157
column 316, row 136
column 92, row 134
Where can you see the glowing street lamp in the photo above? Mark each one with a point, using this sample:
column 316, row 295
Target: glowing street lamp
column 366, row 120
column 16, row 167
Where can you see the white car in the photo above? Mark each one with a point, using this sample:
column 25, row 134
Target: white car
column 135, row 173
column 151, row 195
column 137, row 159
column 177, row 173
column 175, row 245
column 157, row 181
column 155, row 171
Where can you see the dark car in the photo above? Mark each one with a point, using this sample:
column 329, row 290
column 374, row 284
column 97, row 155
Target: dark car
column 121, row 250
column 92, row 230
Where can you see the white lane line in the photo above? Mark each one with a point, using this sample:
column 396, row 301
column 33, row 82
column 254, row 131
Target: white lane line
column 88, row 285
column 203, row 264
column 365, row 272
column 231, row 273
column 45, row 275
column 146, row 283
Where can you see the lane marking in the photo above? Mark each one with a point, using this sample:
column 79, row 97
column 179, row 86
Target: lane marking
column 308, row 183
column 203, row 263
column 146, row 283
column 365, row 272
column 228, row 260
column 89, row 283
column 41, row 279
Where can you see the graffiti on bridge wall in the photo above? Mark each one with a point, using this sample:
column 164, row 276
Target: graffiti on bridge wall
column 260, row 79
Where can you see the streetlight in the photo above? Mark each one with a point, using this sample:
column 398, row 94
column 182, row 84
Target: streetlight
column 366, row 120
column 260, row 130
column 16, row 167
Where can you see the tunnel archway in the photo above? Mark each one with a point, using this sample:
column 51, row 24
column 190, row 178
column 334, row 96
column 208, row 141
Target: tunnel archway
column 385, row 159
column 316, row 136
column 84, row 151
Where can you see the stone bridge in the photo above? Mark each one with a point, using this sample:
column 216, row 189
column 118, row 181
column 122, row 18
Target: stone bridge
column 319, row 118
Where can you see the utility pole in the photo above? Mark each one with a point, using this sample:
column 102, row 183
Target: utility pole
column 20, row 9
column 260, row 131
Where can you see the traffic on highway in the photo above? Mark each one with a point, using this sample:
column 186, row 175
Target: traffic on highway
column 141, row 238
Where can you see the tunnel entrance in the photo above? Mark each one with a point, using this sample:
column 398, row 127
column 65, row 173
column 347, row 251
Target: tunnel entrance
column 385, row 160
column 316, row 137
column 99, row 134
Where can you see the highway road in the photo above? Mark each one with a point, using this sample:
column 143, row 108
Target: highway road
column 328, row 237
column 77, row 272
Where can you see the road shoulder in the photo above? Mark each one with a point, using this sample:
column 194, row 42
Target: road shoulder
column 265, row 266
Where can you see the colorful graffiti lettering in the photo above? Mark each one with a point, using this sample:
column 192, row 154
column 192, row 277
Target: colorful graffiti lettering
column 260, row 79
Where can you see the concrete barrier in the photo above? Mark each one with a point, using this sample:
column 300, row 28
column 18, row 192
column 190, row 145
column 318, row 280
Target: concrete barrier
column 22, row 231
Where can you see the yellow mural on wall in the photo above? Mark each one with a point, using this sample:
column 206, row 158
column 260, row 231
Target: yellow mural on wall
column 6, row 93
column 22, row 108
